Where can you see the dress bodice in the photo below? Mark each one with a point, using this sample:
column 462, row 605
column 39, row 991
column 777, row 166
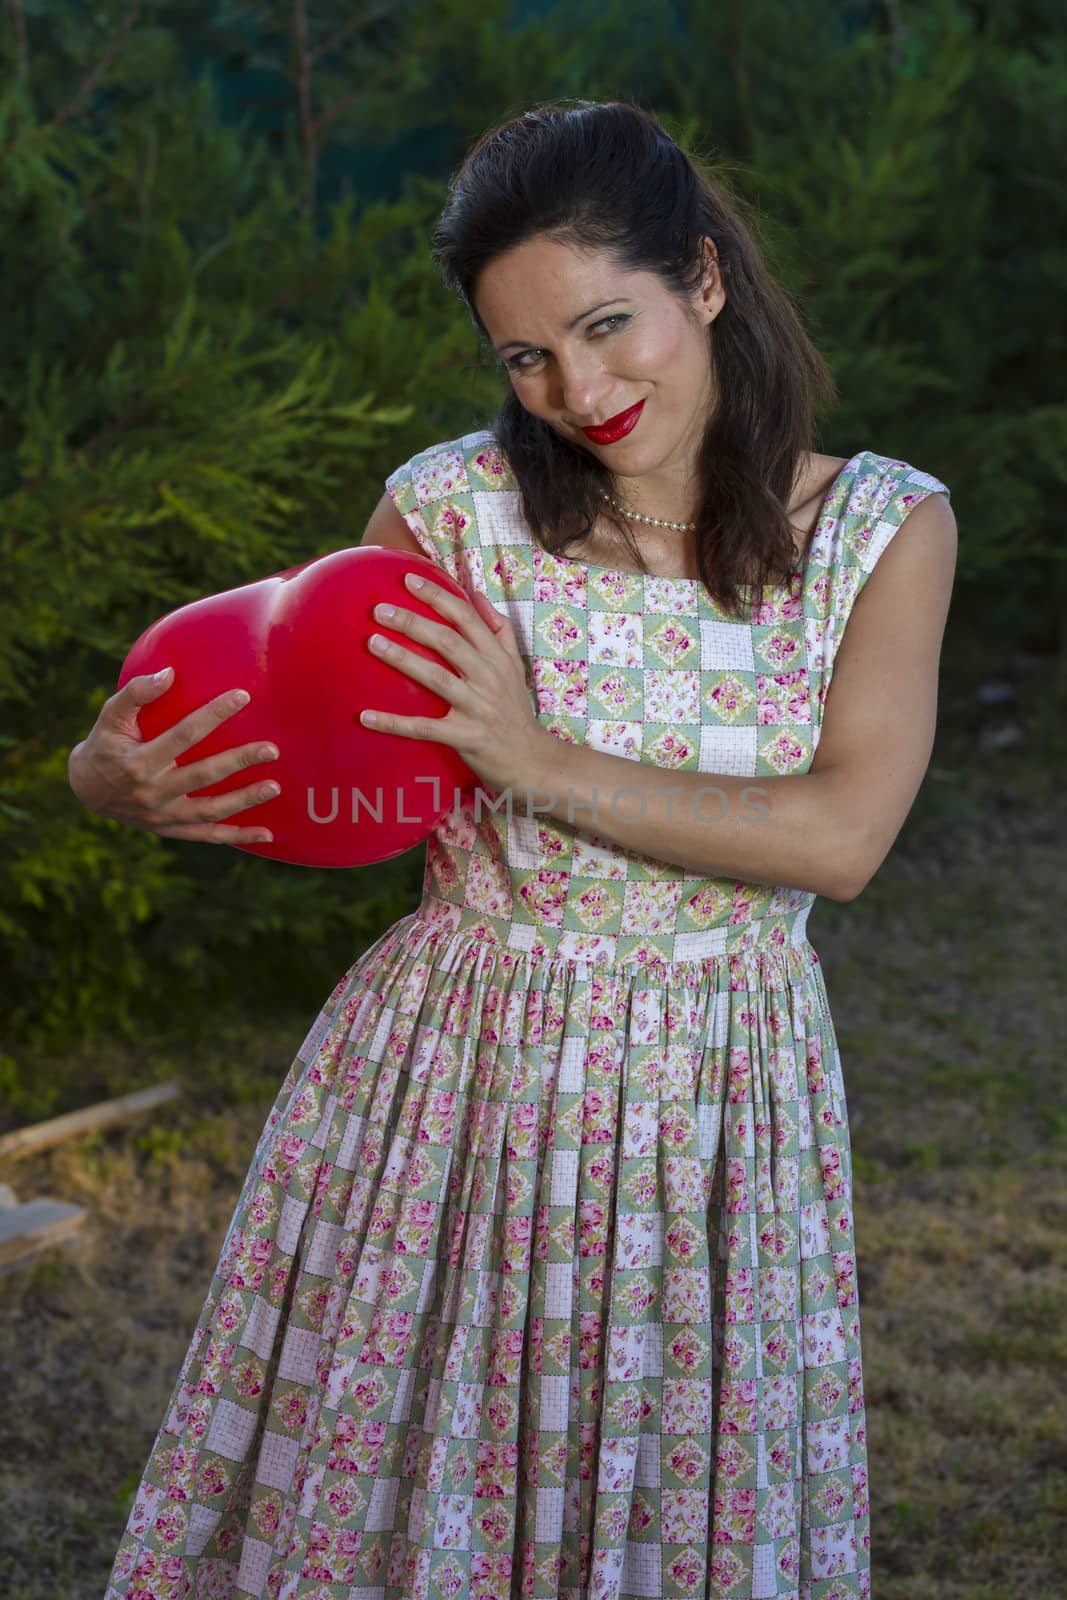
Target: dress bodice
column 647, row 668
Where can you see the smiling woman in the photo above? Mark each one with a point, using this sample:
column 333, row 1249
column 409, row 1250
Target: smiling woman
column 543, row 1278
column 699, row 340
column 636, row 392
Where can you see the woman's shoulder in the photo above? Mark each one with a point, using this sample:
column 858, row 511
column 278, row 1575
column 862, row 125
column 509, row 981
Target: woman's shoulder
column 870, row 500
column 891, row 474
column 471, row 464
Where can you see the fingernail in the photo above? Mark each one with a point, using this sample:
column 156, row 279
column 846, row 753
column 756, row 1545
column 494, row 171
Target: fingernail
column 269, row 790
column 242, row 697
column 266, row 752
column 415, row 581
column 157, row 677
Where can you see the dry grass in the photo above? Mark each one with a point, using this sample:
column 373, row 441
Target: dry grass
column 946, row 985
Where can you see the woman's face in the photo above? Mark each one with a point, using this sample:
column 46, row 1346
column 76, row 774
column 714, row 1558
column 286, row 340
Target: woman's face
column 582, row 341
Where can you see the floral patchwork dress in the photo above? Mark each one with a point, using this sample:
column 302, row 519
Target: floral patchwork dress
column 542, row 1281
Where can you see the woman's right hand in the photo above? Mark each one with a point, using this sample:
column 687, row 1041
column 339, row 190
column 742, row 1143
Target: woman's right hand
column 118, row 774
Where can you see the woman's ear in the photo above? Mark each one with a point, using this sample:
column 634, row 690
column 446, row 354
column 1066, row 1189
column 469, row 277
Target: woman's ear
column 712, row 292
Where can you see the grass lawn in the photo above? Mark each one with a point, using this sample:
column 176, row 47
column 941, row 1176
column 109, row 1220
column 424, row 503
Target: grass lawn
column 945, row 980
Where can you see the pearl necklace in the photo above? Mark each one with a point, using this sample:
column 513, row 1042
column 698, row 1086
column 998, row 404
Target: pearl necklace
column 653, row 522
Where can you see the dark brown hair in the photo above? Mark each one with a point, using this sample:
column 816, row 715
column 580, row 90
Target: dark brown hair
column 605, row 175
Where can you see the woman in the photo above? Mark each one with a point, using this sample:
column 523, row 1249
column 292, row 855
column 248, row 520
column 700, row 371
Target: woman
column 543, row 1281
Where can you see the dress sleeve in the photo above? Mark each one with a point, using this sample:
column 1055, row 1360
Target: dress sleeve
column 882, row 496
column 432, row 492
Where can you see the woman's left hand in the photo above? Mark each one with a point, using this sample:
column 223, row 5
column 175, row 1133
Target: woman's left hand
column 492, row 723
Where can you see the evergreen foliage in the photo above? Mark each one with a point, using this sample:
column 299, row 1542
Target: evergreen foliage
column 216, row 348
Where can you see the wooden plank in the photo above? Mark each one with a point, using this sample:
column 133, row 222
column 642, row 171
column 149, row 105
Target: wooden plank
column 38, row 1225
column 41, row 1135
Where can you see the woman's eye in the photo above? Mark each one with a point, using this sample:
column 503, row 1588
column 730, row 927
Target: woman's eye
column 519, row 363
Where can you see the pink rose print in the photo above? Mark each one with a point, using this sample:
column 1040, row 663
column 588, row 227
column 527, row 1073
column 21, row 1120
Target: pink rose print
column 833, row 1181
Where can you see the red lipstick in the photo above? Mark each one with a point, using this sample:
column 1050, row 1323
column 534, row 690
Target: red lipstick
column 616, row 427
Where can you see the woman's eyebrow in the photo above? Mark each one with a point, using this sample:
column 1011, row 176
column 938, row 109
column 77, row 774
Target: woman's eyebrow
column 500, row 348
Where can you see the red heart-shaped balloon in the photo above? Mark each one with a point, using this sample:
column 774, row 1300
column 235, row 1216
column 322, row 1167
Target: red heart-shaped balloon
column 297, row 641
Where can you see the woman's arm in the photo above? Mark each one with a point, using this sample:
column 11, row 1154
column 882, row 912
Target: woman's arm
column 828, row 830
column 116, row 773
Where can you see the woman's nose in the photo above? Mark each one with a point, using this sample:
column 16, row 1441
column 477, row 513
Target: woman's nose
column 583, row 388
